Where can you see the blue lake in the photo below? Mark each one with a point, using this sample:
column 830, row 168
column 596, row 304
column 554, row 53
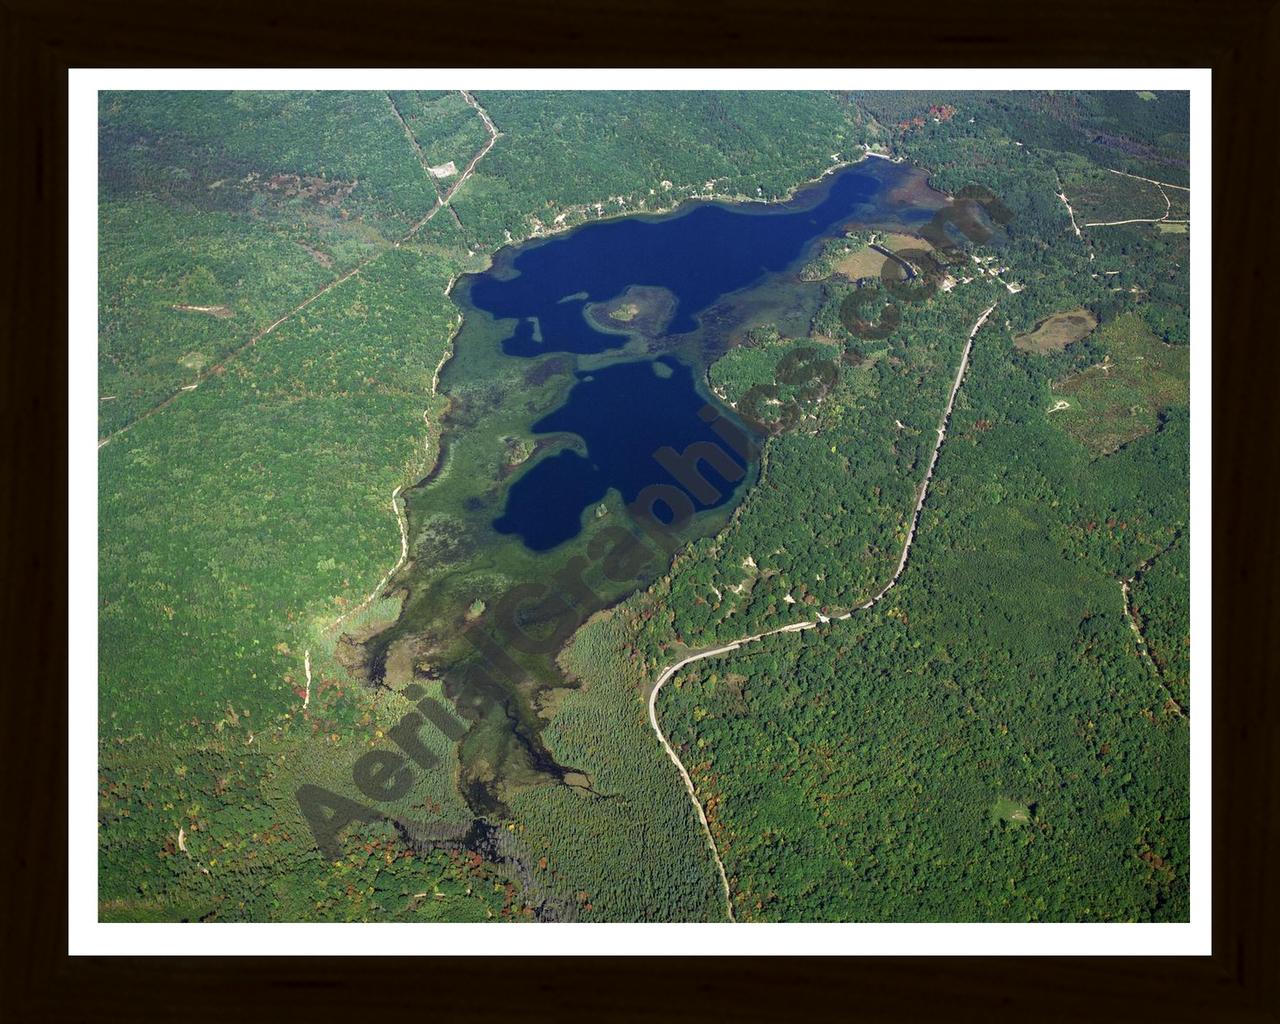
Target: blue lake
column 578, row 378
column 546, row 292
column 624, row 413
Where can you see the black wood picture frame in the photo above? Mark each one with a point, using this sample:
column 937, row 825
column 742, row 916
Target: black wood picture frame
column 41, row 39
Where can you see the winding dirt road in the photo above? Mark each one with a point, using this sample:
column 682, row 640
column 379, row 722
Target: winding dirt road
column 1067, row 203
column 1161, row 185
column 1168, row 206
column 1139, row 177
column 797, row 627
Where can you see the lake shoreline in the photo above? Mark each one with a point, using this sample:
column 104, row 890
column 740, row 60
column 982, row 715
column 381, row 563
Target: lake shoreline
column 454, row 557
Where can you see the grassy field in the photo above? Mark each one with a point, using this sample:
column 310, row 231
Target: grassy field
column 857, row 260
column 866, row 262
column 897, row 242
column 1056, row 332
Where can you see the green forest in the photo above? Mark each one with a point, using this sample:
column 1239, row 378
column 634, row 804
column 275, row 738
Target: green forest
column 1003, row 737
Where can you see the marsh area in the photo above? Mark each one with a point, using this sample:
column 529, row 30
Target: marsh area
column 580, row 357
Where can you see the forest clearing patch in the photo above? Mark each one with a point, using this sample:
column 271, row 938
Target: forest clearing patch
column 221, row 312
column 1121, row 399
column 1056, row 332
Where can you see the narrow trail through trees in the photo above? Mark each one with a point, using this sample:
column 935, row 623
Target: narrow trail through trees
column 797, row 627
column 442, row 200
column 423, row 162
column 1172, row 703
column 1067, row 203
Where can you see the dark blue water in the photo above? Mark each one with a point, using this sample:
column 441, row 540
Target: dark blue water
column 626, row 412
column 699, row 256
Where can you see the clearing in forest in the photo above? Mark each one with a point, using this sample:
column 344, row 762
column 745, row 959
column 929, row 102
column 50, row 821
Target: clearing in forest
column 1056, row 332
column 868, row 262
column 864, row 262
column 1121, row 398
column 898, row 242
column 1010, row 811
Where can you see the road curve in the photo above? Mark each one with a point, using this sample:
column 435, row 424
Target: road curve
column 797, row 627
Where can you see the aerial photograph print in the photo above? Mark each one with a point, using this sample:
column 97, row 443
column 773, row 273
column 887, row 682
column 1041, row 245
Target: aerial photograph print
column 620, row 505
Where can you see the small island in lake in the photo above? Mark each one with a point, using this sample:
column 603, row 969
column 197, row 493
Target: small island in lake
column 642, row 310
